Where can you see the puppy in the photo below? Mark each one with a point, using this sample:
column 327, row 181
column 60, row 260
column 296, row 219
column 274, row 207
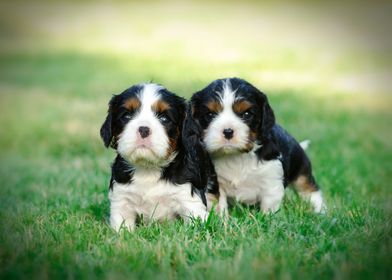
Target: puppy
column 254, row 158
column 155, row 174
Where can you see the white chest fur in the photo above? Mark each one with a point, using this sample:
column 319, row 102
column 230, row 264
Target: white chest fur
column 152, row 198
column 248, row 180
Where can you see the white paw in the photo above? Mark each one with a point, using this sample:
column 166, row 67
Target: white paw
column 317, row 201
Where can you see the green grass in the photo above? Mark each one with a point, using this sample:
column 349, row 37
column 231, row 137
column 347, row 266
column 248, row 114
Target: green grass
column 54, row 169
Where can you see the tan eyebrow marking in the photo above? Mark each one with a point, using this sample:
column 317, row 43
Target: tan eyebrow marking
column 241, row 106
column 214, row 106
column 160, row 106
column 132, row 104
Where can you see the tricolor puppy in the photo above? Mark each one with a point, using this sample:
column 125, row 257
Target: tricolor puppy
column 154, row 174
column 254, row 158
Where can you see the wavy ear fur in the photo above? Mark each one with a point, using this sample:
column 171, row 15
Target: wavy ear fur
column 268, row 120
column 107, row 129
column 198, row 162
column 269, row 149
column 194, row 150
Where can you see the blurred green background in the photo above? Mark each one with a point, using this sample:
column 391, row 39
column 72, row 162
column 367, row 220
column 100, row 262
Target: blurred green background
column 326, row 67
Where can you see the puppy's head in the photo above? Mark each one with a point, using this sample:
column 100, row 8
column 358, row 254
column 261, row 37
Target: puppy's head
column 234, row 116
column 144, row 124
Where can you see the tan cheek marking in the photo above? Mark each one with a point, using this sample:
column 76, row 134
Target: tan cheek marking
column 160, row 106
column 214, row 106
column 252, row 135
column 172, row 144
column 251, row 139
column 241, row 107
column 248, row 147
column 303, row 185
column 132, row 104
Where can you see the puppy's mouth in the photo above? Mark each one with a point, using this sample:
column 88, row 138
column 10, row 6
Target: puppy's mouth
column 230, row 148
column 143, row 147
column 227, row 149
column 143, row 150
column 144, row 156
column 143, row 143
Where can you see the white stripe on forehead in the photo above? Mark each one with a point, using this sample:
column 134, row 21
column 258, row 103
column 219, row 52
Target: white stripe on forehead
column 149, row 94
column 227, row 96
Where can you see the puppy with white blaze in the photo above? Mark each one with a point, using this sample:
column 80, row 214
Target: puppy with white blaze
column 254, row 158
column 156, row 174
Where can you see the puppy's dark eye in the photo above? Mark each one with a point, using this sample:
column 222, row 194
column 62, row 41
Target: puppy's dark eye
column 126, row 116
column 210, row 115
column 247, row 115
column 164, row 119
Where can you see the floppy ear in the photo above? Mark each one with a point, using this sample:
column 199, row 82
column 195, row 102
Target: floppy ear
column 182, row 110
column 268, row 119
column 269, row 149
column 106, row 129
column 192, row 143
column 198, row 162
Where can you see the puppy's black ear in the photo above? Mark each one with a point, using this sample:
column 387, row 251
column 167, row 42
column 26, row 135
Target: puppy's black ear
column 107, row 126
column 268, row 119
column 192, row 142
column 269, row 149
column 197, row 159
column 182, row 110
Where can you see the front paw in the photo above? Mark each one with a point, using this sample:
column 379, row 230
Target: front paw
column 270, row 206
column 118, row 223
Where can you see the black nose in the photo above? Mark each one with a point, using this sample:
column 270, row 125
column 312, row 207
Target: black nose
column 144, row 131
column 228, row 133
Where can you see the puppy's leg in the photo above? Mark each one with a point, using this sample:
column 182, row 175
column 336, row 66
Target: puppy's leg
column 271, row 197
column 122, row 214
column 218, row 202
column 194, row 211
column 307, row 188
column 223, row 207
column 192, row 207
column 212, row 201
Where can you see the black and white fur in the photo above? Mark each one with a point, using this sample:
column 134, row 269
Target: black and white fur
column 254, row 158
column 155, row 175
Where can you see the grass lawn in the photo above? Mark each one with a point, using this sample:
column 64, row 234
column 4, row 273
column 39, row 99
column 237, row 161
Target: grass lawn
column 54, row 169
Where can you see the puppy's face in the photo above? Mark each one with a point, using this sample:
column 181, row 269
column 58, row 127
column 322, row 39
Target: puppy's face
column 144, row 124
column 234, row 116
